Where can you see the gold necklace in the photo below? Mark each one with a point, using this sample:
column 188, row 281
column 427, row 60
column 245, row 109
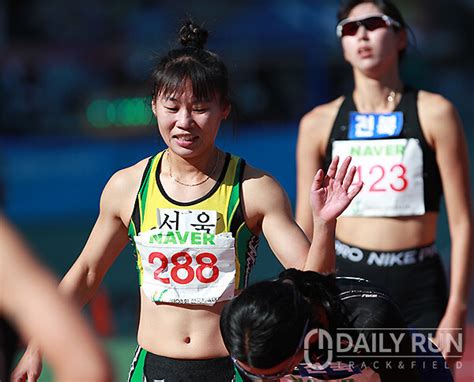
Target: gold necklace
column 391, row 98
column 194, row 184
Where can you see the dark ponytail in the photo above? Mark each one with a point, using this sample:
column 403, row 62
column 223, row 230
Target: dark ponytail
column 193, row 64
column 191, row 35
column 320, row 291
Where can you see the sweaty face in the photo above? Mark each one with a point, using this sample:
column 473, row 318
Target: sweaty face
column 188, row 126
column 372, row 51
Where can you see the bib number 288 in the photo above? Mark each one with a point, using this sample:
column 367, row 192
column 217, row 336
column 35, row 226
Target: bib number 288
column 187, row 274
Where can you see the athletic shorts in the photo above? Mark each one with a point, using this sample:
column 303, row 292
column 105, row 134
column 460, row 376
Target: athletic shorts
column 414, row 278
column 149, row 367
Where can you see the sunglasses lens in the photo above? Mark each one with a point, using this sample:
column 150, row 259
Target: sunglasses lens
column 350, row 29
column 373, row 23
column 370, row 23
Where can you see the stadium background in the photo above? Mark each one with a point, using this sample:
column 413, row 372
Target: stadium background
column 74, row 109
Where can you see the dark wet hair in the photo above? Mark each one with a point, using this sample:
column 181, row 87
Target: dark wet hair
column 264, row 324
column 385, row 6
column 203, row 68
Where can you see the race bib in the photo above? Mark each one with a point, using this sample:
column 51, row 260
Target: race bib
column 191, row 266
column 392, row 173
column 186, row 220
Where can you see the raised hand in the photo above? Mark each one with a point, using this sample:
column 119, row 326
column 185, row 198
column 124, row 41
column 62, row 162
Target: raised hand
column 332, row 193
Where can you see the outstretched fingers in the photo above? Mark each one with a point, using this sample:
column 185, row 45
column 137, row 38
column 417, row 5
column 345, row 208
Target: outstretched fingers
column 354, row 191
column 332, row 170
column 318, row 180
column 349, row 178
column 341, row 173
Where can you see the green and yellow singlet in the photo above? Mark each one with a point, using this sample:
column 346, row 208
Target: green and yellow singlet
column 224, row 198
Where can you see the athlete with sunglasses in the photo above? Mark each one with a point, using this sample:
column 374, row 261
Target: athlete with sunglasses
column 409, row 149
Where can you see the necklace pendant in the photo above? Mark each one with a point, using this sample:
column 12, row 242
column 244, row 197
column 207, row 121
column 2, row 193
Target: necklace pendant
column 391, row 96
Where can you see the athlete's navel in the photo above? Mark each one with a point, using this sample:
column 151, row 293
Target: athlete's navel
column 187, row 340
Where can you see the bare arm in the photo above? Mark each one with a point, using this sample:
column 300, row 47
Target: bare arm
column 445, row 133
column 268, row 210
column 329, row 196
column 30, row 300
column 106, row 241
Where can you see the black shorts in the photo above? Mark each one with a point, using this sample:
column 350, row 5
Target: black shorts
column 414, row 278
column 147, row 366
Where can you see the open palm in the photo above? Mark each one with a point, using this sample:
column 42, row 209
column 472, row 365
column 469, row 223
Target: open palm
column 330, row 194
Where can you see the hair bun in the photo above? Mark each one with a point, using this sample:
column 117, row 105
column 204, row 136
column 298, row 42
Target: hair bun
column 192, row 35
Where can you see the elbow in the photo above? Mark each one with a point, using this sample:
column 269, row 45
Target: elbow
column 80, row 283
column 93, row 279
column 91, row 275
column 462, row 227
column 306, row 225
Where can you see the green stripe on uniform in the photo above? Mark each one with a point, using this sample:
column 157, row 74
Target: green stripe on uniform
column 132, row 231
column 234, row 195
column 137, row 373
column 144, row 189
column 237, row 378
column 242, row 238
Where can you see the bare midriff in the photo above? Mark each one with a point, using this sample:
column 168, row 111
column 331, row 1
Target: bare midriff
column 388, row 234
column 180, row 331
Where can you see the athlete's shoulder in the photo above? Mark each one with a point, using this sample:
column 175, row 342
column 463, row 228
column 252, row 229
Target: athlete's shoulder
column 236, row 158
column 261, row 194
column 254, row 175
column 438, row 116
column 321, row 116
column 122, row 187
column 260, row 184
column 434, row 105
column 129, row 176
column 315, row 128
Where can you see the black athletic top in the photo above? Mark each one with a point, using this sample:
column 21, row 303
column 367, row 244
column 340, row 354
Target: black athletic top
column 411, row 129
